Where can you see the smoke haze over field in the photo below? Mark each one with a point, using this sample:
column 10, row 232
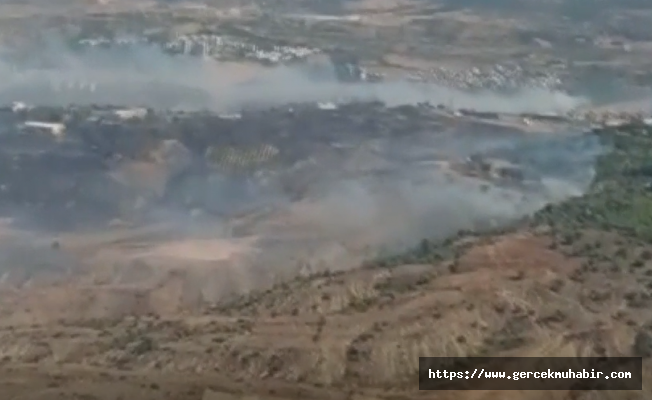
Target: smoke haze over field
column 144, row 75
column 421, row 201
column 382, row 187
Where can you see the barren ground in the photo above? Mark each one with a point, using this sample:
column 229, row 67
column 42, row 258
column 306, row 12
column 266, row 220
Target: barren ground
column 148, row 314
column 354, row 334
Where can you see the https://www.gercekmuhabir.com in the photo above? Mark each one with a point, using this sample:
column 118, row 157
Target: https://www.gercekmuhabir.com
column 516, row 375
column 623, row 373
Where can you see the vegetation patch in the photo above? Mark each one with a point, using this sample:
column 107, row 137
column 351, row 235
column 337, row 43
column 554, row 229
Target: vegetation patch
column 612, row 220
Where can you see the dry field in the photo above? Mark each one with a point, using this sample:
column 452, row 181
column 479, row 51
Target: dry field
column 119, row 332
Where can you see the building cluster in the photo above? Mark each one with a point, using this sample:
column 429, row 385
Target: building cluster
column 220, row 47
column 212, row 46
column 114, row 42
column 41, row 122
column 611, row 118
column 497, row 77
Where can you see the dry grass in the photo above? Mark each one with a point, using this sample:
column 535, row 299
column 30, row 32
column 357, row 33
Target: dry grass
column 363, row 328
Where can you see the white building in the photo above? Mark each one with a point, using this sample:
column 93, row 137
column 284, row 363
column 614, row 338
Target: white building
column 54, row 128
column 131, row 113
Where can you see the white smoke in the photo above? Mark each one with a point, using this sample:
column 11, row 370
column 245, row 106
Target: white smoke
column 144, row 75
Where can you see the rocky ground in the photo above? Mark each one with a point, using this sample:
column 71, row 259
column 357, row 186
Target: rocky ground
column 342, row 335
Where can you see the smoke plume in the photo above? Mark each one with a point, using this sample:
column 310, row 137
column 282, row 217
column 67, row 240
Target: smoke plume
column 144, row 75
column 390, row 191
